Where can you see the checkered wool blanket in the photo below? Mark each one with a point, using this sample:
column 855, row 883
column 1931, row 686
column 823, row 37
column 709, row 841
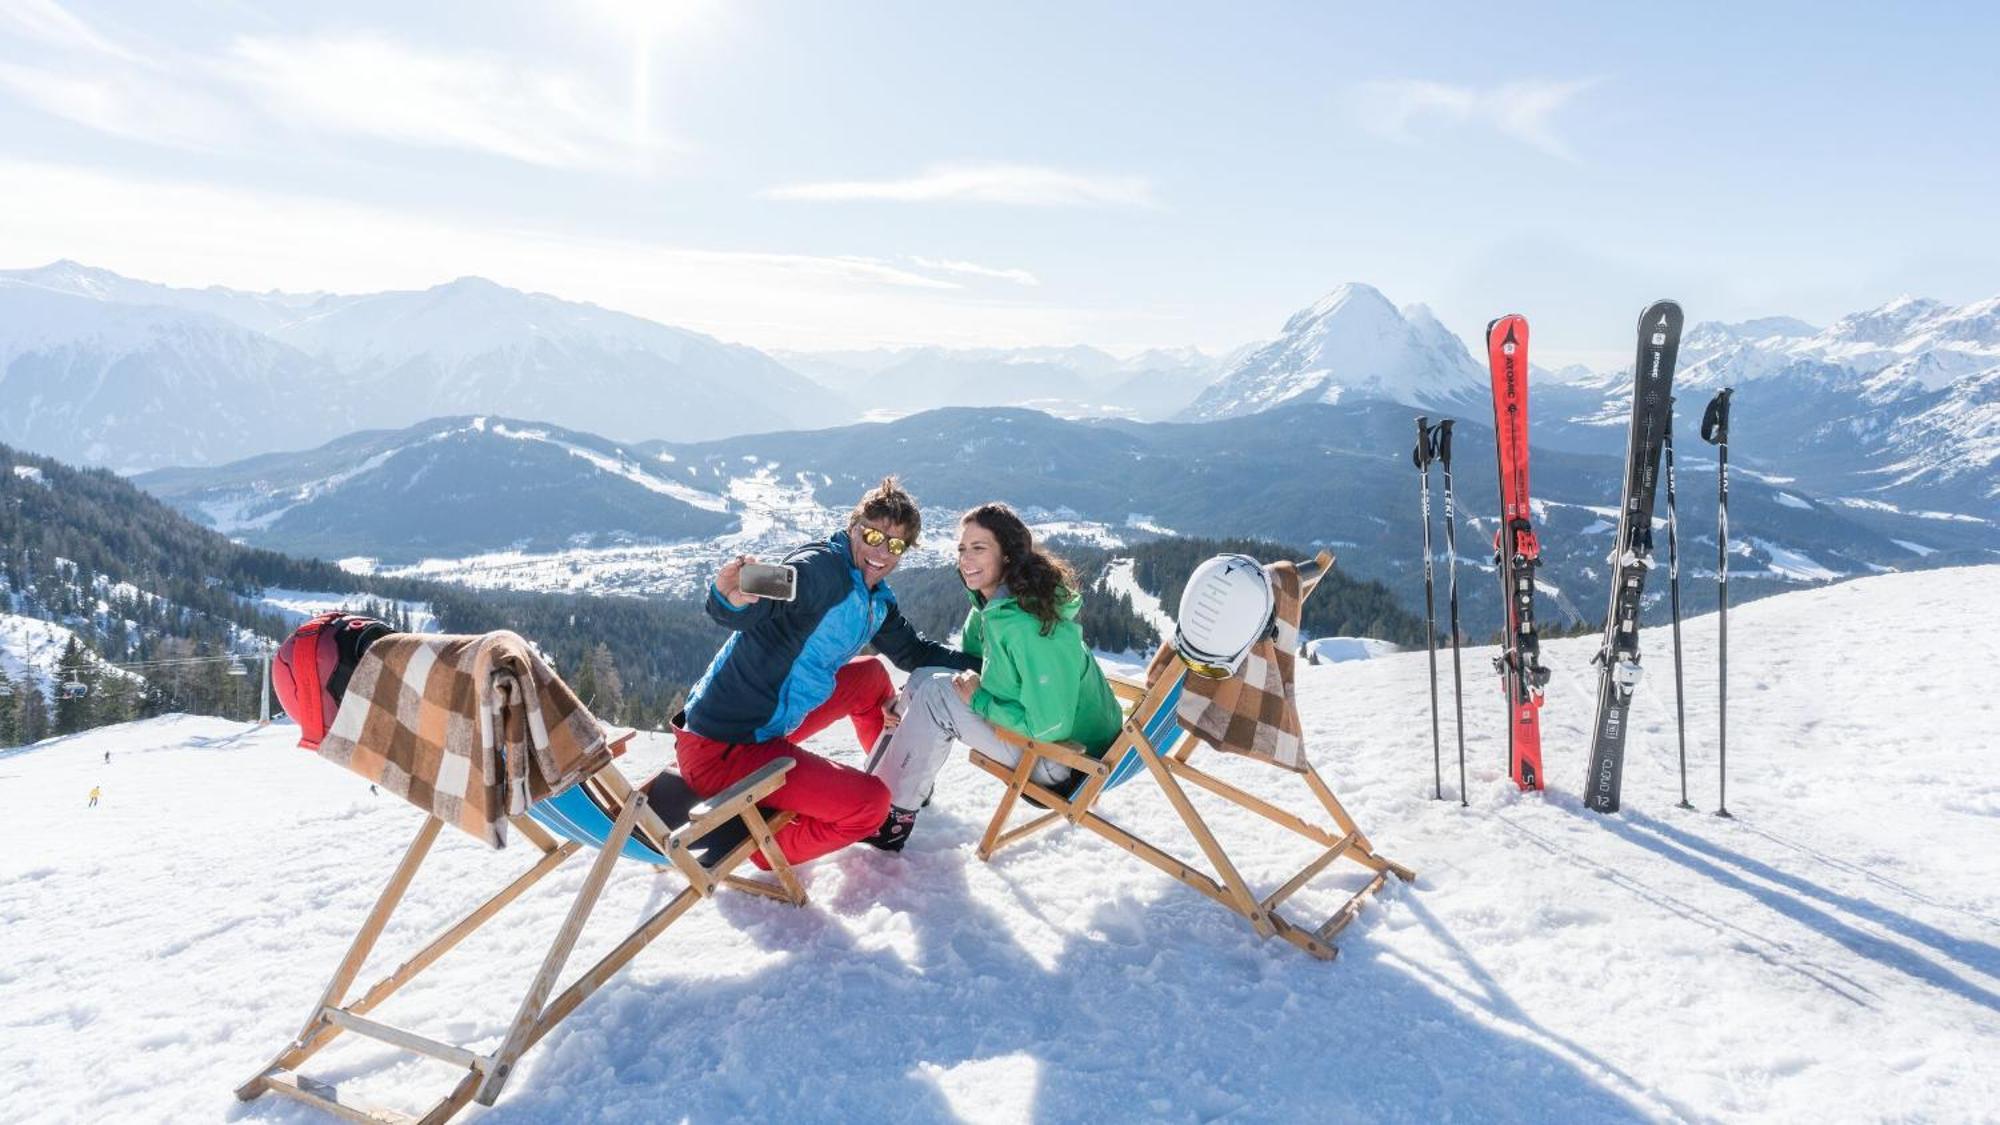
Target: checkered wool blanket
column 471, row 729
column 1255, row 712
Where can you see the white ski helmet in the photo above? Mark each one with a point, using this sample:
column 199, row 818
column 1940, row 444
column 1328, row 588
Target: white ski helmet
column 1226, row 608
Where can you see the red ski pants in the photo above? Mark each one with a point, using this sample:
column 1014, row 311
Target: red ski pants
column 834, row 804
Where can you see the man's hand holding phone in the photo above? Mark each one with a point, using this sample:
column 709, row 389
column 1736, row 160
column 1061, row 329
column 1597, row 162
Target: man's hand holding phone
column 729, row 581
column 743, row 580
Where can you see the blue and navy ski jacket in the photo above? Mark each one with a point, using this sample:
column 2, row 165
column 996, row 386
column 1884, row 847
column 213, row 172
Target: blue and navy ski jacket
column 780, row 661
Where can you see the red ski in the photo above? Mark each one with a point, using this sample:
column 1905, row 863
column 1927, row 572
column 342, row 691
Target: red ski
column 1516, row 552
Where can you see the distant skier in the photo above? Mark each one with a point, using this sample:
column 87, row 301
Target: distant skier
column 94, row 791
column 107, row 757
column 372, row 792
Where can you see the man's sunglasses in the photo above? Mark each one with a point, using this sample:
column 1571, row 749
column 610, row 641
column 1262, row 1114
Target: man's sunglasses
column 876, row 538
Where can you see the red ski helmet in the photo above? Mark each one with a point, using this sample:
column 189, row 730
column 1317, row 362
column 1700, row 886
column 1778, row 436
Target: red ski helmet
column 312, row 667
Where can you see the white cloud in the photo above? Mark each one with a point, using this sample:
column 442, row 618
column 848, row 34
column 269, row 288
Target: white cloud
column 133, row 103
column 51, row 25
column 82, row 75
column 363, row 85
column 1019, row 184
column 974, row 269
column 1521, row 110
column 379, row 88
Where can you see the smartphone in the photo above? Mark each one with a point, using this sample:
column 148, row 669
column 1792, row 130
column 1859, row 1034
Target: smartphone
column 776, row 581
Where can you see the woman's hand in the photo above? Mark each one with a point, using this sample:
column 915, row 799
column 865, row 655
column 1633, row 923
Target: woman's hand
column 892, row 714
column 967, row 683
column 729, row 581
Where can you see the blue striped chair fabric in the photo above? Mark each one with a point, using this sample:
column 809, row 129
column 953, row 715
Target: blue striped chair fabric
column 1162, row 734
column 575, row 815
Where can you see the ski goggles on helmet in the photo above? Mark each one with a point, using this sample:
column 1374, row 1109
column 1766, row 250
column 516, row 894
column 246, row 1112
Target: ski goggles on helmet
column 875, row 538
column 1206, row 669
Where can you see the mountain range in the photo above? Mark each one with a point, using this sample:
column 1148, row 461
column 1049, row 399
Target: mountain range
column 621, row 455
column 131, row 375
column 1897, row 405
column 622, row 517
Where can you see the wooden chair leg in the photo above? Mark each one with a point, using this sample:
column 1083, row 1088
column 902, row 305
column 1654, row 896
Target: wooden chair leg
column 1017, row 781
column 1239, row 892
column 309, row 1039
column 579, row 912
column 762, row 833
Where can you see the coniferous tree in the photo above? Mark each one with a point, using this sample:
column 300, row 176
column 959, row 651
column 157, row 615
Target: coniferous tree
column 610, row 689
column 31, row 711
column 8, row 697
column 115, row 699
column 73, row 709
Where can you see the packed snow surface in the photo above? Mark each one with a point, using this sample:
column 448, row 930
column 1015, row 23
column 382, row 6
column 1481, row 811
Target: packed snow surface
column 1831, row 953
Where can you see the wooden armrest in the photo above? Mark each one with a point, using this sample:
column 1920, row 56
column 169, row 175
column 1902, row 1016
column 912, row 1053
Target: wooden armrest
column 619, row 741
column 1131, row 691
column 730, row 803
column 1068, row 753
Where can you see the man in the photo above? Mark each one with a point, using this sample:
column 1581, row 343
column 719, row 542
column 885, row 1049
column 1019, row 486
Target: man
column 788, row 672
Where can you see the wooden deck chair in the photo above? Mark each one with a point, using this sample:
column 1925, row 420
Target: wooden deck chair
column 704, row 840
column 1155, row 744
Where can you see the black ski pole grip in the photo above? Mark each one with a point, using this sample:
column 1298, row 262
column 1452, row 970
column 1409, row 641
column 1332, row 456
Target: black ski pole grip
column 1441, row 442
column 1715, row 420
column 1421, row 455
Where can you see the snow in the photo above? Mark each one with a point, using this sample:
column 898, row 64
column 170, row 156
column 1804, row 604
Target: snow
column 1351, row 341
column 296, row 606
column 1793, row 565
column 31, row 473
column 1832, row 953
column 1335, row 650
column 1791, row 501
column 29, row 642
column 1915, row 548
column 777, row 512
column 619, row 467
column 1119, row 579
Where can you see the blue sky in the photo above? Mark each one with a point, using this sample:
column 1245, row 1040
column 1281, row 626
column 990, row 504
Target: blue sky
column 1126, row 175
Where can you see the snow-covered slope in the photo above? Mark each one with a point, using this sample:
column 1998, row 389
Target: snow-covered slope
column 1352, row 342
column 31, row 644
column 1832, row 953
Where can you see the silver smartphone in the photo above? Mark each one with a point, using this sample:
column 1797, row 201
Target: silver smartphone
column 777, row 581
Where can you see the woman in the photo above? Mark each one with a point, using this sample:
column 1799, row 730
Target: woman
column 1039, row 680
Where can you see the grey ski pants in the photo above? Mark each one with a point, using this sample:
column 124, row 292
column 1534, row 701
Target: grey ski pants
column 908, row 758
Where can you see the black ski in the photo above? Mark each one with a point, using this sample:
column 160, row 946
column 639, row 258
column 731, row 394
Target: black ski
column 1632, row 551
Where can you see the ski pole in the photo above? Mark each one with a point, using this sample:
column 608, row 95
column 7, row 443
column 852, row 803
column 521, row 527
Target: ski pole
column 1422, row 457
column 1674, row 589
column 1715, row 431
column 1441, row 442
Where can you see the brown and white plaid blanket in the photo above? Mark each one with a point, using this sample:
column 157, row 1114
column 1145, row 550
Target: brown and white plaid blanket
column 1255, row 712
column 471, row 729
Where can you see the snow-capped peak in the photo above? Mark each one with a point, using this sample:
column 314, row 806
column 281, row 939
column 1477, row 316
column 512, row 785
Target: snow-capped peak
column 66, row 276
column 1350, row 305
column 1351, row 342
